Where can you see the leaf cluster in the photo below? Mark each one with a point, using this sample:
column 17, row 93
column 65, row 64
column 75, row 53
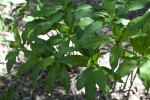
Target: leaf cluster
column 78, row 25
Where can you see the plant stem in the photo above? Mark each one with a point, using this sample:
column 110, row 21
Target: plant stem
column 126, row 82
column 132, row 80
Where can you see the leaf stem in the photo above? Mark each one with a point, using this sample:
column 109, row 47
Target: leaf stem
column 126, row 82
column 132, row 80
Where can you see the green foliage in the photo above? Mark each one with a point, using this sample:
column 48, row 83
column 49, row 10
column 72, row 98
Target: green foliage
column 115, row 55
column 2, row 25
column 109, row 5
column 45, row 62
column 126, row 67
column 96, row 41
column 91, row 29
column 64, row 78
column 9, row 94
column 78, row 25
column 144, row 72
column 75, row 60
column 11, row 57
column 51, row 76
column 130, row 5
column 89, row 78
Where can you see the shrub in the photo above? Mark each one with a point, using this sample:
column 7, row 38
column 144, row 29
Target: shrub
column 79, row 24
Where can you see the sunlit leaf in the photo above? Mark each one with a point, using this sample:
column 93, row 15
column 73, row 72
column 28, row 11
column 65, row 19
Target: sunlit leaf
column 109, row 5
column 126, row 67
column 144, row 72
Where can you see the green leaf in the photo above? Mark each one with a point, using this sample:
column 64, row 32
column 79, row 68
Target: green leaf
column 81, row 80
column 99, row 15
column 64, row 78
column 90, row 84
column 109, row 5
column 111, row 75
column 96, row 56
column 101, row 79
column 144, row 72
column 70, row 17
column 89, row 78
column 56, row 39
column 52, row 20
column 126, row 67
column 34, row 54
column 62, row 28
column 26, row 66
column 75, row 60
column 134, row 27
column 72, row 49
column 122, row 21
column 78, row 32
column 85, row 21
column 73, row 38
column 147, row 52
column 28, row 18
column 131, row 5
column 51, row 76
column 47, row 48
column 21, row 11
column 33, row 29
column 46, row 11
column 128, row 53
column 11, row 57
column 41, row 4
column 83, row 6
column 115, row 54
column 39, row 27
column 56, row 2
column 9, row 94
column 96, row 41
column 28, row 1
column 146, row 28
column 140, row 44
column 60, row 2
column 63, row 47
column 91, row 29
column 41, row 65
column 18, row 8
column 107, row 71
column 117, row 30
column 1, row 77
column 16, row 33
column 84, row 10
